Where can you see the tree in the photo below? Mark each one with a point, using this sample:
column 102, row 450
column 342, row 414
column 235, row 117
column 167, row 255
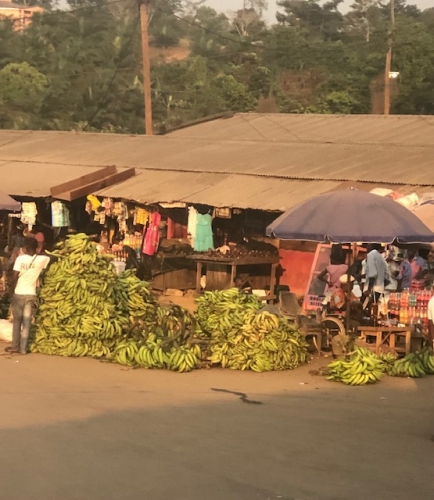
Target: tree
column 248, row 20
column 413, row 57
column 235, row 94
column 362, row 17
column 22, row 90
column 324, row 20
column 165, row 29
column 22, row 86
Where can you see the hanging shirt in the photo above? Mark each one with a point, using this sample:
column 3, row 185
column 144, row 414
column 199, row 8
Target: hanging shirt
column 59, row 214
column 192, row 224
column 204, row 239
column 152, row 236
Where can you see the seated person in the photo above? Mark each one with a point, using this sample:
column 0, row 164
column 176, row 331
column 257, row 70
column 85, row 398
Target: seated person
column 338, row 300
column 242, row 284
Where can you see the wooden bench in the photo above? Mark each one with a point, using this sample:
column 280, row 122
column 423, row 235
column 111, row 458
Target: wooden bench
column 387, row 336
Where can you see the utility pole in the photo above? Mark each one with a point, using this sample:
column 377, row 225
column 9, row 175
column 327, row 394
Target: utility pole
column 147, row 96
column 388, row 67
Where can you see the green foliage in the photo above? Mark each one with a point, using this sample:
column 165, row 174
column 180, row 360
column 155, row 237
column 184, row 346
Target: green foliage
column 69, row 68
column 234, row 93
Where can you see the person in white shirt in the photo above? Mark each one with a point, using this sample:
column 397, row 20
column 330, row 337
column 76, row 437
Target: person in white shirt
column 27, row 270
column 431, row 321
column 377, row 272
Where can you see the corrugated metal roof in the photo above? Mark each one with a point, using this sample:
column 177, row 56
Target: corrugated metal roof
column 403, row 130
column 35, row 179
column 219, row 190
column 338, row 162
column 265, row 174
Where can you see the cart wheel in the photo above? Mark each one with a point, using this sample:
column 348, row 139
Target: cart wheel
column 332, row 326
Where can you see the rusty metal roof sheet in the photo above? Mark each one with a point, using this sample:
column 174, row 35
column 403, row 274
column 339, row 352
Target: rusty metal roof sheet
column 35, row 179
column 403, row 130
column 219, row 190
column 322, row 161
column 268, row 175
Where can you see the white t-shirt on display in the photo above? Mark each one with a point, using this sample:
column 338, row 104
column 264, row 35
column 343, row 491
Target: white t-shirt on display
column 30, row 268
column 431, row 309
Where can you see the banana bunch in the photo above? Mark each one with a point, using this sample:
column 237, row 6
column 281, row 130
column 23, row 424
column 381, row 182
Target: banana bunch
column 133, row 297
column 86, row 309
column 125, row 353
column 153, row 354
column 220, row 310
column 428, row 361
column 411, row 365
column 359, row 368
column 242, row 337
column 185, row 358
column 388, row 360
column 77, row 314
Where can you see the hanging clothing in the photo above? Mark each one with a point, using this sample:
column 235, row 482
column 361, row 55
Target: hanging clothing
column 94, row 202
column 59, row 214
column 141, row 216
column 192, row 224
column 152, row 236
column 29, row 213
column 203, row 240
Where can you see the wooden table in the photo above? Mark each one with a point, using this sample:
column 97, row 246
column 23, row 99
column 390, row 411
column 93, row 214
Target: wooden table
column 387, row 336
column 234, row 262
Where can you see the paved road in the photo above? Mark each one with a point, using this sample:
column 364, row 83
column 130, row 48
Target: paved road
column 77, row 429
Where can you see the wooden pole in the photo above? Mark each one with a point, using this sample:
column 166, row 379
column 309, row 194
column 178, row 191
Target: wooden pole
column 147, row 96
column 389, row 60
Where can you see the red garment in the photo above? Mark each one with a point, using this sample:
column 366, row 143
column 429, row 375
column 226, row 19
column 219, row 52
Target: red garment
column 152, row 236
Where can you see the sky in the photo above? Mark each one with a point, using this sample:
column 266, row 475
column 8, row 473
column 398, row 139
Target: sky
column 229, row 6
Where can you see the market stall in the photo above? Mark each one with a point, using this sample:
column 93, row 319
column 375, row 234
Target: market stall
column 221, row 272
column 353, row 216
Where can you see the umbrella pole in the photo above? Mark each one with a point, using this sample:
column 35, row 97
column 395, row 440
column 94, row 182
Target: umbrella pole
column 347, row 319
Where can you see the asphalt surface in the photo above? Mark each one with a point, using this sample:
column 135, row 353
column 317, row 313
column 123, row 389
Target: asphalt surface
column 78, row 429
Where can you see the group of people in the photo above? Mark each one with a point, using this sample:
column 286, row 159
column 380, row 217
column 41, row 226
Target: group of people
column 373, row 276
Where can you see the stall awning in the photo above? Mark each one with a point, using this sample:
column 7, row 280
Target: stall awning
column 8, row 203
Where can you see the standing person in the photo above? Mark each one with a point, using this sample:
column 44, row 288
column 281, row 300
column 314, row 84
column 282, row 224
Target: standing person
column 404, row 276
column 27, row 269
column 377, row 272
column 332, row 273
column 40, row 238
column 419, row 270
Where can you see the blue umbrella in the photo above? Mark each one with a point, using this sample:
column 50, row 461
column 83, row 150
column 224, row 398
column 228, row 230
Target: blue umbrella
column 350, row 216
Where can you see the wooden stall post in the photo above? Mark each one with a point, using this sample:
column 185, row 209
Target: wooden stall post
column 198, row 276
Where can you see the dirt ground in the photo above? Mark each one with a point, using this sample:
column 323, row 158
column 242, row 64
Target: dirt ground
column 79, row 429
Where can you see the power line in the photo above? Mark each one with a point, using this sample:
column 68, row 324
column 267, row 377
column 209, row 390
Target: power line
column 121, row 57
column 244, row 42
